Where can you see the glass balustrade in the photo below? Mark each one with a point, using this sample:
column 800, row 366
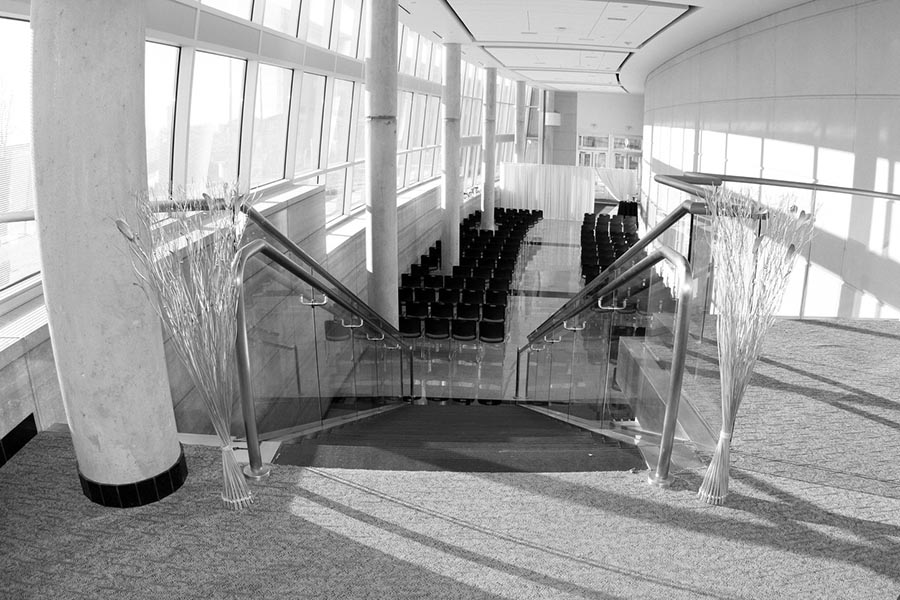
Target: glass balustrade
column 311, row 357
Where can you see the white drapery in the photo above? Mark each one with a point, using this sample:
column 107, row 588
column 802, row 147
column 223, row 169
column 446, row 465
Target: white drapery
column 562, row 192
column 621, row 183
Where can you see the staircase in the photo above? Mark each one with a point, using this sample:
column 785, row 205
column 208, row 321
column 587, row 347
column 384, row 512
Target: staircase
column 462, row 438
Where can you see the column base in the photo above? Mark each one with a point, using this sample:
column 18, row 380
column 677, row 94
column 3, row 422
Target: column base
column 129, row 495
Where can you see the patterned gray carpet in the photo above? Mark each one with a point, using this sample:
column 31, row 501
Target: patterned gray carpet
column 336, row 533
column 813, row 512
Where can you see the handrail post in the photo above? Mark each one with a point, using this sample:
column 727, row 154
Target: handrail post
column 256, row 469
column 679, row 350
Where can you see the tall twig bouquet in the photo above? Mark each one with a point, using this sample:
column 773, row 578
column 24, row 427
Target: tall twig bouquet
column 185, row 260
column 753, row 249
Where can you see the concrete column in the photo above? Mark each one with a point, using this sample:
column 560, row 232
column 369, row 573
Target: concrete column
column 521, row 121
column 490, row 148
column 90, row 152
column 381, row 158
column 452, row 184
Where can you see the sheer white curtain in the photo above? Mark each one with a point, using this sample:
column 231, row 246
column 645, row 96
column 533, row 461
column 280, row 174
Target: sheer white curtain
column 621, row 183
column 562, row 192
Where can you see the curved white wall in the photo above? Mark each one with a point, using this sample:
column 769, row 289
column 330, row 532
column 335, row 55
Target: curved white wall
column 810, row 94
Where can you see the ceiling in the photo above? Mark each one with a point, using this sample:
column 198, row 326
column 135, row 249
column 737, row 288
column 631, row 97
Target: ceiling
column 579, row 45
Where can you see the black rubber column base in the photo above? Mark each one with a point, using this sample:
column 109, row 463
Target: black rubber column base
column 128, row 495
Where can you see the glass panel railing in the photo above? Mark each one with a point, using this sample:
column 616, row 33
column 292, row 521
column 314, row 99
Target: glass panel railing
column 305, row 358
column 614, row 362
column 278, row 325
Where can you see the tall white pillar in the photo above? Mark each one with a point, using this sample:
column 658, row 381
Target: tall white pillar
column 381, row 158
column 490, row 148
column 452, row 183
column 90, row 152
column 521, row 121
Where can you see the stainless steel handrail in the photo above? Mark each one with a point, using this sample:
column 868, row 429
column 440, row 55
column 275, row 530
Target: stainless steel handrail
column 256, row 469
column 19, row 216
column 338, row 288
column 717, row 179
column 679, row 348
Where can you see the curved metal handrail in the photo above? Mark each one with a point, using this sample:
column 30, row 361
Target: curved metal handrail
column 716, row 179
column 256, row 469
column 19, row 216
column 679, row 348
column 337, row 288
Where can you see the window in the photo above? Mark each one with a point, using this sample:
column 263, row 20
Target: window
column 160, row 81
column 315, row 21
column 345, row 38
column 217, row 96
column 404, row 104
column 341, row 112
column 334, row 193
column 19, row 256
column 408, row 52
column 282, row 15
column 437, row 63
column 238, row 8
column 270, row 124
column 423, row 62
column 309, row 127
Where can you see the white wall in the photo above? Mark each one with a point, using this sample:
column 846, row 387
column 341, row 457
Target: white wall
column 602, row 114
column 810, row 94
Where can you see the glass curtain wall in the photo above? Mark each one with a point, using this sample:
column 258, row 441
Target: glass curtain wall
column 230, row 123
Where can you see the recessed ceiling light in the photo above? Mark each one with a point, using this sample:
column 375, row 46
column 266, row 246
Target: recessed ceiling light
column 560, row 28
column 529, row 33
column 616, row 19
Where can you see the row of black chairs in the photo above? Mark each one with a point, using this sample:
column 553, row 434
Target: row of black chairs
column 475, row 294
column 453, row 296
column 604, row 238
column 461, row 330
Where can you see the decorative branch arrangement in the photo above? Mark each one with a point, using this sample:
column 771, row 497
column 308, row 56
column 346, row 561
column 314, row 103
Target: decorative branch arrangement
column 753, row 249
column 186, row 262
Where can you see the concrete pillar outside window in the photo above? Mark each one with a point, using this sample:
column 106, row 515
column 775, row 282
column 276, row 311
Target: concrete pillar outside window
column 521, row 121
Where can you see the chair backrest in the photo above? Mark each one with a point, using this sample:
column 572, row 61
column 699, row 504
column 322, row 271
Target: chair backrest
column 493, row 312
column 448, row 295
column 416, row 309
column 424, row 294
column 437, row 329
column 441, row 310
column 473, row 297
column 410, row 327
column 469, row 312
column 495, row 297
column 463, row 331
column 491, row 332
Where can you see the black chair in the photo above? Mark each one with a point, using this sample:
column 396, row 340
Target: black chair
column 405, row 294
column 448, row 295
column 409, row 280
column 424, row 295
column 468, row 312
column 434, row 281
column 416, row 309
column 410, row 327
column 441, row 310
column 474, row 297
column 462, row 272
column 493, row 313
column 496, row 297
